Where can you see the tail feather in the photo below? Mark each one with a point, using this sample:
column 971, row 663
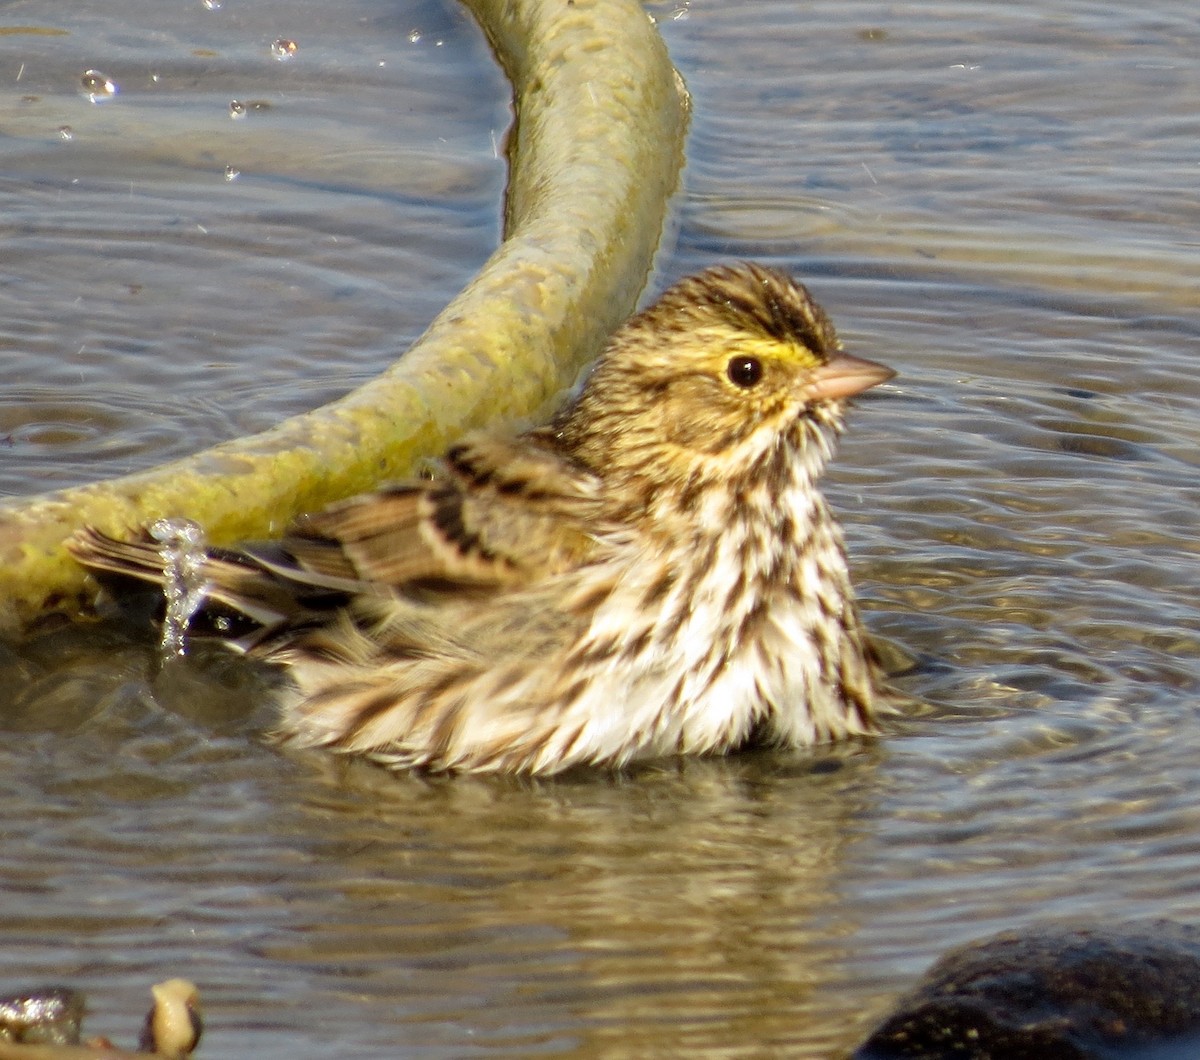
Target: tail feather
column 263, row 589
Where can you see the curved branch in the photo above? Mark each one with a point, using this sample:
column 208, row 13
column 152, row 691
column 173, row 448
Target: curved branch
column 594, row 157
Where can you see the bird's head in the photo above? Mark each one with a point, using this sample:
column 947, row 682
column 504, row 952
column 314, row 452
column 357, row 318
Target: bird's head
column 725, row 366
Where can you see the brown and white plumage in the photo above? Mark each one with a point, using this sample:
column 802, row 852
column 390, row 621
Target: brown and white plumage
column 654, row 572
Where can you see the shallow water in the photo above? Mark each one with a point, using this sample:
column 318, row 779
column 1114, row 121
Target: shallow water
column 998, row 200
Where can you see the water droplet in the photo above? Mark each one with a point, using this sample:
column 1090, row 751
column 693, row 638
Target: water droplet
column 65, row 132
column 414, row 36
column 182, row 550
column 98, row 87
column 284, row 49
column 213, row 5
column 239, row 108
column 232, row 174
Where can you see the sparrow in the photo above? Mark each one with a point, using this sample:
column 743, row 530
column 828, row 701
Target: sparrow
column 654, row 572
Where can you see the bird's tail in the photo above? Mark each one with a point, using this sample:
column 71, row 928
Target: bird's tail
column 242, row 589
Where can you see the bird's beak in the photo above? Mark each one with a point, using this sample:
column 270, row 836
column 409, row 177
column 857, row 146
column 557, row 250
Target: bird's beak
column 843, row 376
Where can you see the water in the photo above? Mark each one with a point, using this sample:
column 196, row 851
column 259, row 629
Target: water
column 98, row 87
column 177, row 308
column 284, row 49
column 997, row 200
column 182, row 547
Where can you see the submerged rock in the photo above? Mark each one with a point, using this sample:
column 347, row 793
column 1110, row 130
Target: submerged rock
column 48, row 1015
column 1069, row 993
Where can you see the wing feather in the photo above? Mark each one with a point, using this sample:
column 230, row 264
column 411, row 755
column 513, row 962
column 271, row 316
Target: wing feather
column 497, row 513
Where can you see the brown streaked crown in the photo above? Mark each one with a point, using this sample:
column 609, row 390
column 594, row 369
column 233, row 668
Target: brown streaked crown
column 666, row 390
column 749, row 298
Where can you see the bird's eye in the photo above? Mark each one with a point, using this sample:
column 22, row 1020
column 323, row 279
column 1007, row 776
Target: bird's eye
column 744, row 371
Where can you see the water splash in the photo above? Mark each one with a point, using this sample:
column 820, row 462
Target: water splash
column 98, row 87
column 182, row 548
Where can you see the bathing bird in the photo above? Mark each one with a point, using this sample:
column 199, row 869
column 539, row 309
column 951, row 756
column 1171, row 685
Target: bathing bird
column 654, row 572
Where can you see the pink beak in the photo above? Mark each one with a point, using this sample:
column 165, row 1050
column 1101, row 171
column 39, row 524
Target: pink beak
column 843, row 376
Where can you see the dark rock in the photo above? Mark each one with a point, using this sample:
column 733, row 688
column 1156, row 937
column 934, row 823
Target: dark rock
column 1069, row 993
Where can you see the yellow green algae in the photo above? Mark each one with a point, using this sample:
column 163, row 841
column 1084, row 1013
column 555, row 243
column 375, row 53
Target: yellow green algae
column 594, row 157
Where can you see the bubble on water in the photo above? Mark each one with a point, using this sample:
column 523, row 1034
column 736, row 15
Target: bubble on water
column 416, row 36
column 98, row 87
column 284, row 49
column 182, row 551
column 65, row 132
column 231, row 174
column 239, row 108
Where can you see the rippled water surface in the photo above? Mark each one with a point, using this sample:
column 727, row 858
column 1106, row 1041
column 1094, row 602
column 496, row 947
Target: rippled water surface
column 999, row 200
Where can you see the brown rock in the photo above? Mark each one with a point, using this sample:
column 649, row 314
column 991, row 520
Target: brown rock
column 1065, row 993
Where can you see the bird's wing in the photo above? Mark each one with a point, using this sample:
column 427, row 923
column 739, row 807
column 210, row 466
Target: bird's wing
column 497, row 513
